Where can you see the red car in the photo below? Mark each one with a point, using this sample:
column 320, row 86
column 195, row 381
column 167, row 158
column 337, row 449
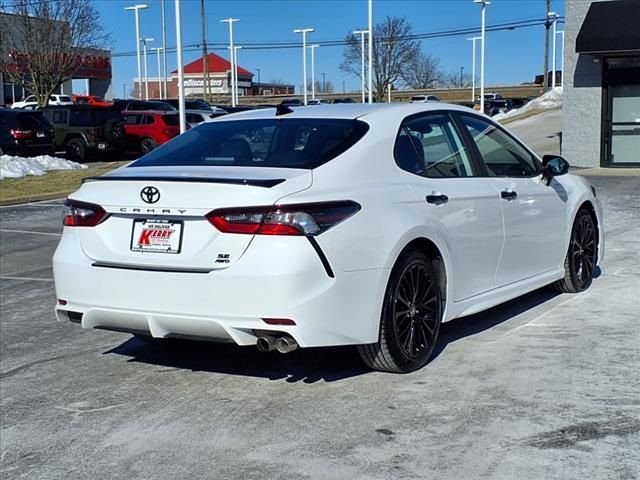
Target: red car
column 92, row 100
column 149, row 128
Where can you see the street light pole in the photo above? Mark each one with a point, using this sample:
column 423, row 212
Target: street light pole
column 231, row 21
column 473, row 68
column 235, row 67
column 183, row 119
column 313, row 71
column 146, row 77
column 370, row 80
column 158, row 50
column 553, row 15
column 136, row 9
column 561, row 33
column 164, row 53
column 362, row 33
column 482, row 49
column 304, row 32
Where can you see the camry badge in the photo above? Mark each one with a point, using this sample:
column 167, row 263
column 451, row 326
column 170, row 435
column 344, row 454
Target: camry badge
column 150, row 194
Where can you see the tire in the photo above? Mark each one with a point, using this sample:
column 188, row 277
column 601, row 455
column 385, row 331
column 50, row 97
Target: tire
column 114, row 131
column 147, row 144
column 408, row 329
column 76, row 150
column 582, row 255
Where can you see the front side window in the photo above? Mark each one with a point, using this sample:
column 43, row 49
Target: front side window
column 429, row 145
column 501, row 154
column 303, row 143
column 60, row 117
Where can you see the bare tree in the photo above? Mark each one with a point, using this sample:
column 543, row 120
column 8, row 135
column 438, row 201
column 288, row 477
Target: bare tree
column 50, row 42
column 423, row 72
column 453, row 79
column 327, row 87
column 394, row 51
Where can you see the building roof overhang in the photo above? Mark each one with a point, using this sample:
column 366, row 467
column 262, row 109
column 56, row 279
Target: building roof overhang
column 610, row 28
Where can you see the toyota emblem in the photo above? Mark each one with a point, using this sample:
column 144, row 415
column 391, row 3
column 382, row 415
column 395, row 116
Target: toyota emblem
column 150, row 194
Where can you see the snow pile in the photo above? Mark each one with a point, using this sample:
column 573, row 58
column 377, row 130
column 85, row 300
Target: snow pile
column 14, row 167
column 549, row 101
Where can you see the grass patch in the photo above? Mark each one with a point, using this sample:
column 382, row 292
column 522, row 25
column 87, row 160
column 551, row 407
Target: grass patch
column 57, row 181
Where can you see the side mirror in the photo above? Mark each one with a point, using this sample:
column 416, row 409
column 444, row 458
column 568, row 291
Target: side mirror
column 552, row 166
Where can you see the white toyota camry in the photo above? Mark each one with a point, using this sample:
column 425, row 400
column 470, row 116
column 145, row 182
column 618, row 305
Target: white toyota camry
column 355, row 224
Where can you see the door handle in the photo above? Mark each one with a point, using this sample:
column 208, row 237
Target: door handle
column 437, row 199
column 508, row 194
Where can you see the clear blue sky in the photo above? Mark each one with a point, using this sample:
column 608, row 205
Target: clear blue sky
column 512, row 56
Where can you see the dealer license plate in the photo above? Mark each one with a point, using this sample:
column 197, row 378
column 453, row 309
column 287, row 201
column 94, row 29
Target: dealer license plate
column 156, row 236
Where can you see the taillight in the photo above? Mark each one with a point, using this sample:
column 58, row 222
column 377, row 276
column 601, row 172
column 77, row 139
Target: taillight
column 301, row 219
column 18, row 134
column 82, row 214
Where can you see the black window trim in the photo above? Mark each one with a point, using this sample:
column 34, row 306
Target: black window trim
column 476, row 167
column 476, row 152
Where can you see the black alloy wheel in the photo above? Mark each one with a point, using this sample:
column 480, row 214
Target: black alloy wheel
column 411, row 317
column 76, row 150
column 580, row 262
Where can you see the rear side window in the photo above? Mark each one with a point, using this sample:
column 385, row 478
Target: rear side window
column 273, row 142
column 501, row 154
column 80, row 118
column 429, row 145
column 172, row 120
column 132, row 119
column 100, row 117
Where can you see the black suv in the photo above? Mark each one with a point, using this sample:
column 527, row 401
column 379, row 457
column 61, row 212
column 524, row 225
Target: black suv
column 189, row 104
column 83, row 129
column 137, row 105
column 25, row 133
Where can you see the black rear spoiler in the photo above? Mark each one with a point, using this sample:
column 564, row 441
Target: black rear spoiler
column 254, row 182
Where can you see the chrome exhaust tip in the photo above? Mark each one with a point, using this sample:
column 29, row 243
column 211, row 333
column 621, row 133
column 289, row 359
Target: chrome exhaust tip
column 266, row 343
column 286, row 344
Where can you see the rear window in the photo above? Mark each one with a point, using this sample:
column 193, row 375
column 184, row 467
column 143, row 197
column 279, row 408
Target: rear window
column 64, row 98
column 284, row 143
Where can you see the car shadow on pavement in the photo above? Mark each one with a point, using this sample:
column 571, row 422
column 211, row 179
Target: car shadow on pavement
column 479, row 322
column 308, row 365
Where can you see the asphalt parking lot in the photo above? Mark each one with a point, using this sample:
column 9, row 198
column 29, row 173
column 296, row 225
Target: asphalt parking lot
column 544, row 387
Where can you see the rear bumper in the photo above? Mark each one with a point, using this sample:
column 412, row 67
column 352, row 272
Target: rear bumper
column 275, row 278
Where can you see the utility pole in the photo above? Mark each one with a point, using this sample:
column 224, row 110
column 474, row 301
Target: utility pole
column 324, row 84
column 547, row 25
column 461, row 70
column 205, row 56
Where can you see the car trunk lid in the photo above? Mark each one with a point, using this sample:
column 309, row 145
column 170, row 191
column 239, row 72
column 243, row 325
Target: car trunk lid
column 157, row 214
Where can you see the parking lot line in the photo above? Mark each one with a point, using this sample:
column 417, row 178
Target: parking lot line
column 28, row 279
column 5, row 230
column 34, row 204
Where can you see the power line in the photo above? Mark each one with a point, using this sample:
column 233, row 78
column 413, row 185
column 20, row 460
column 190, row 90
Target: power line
column 513, row 25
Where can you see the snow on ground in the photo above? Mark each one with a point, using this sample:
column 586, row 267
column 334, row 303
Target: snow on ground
column 14, row 167
column 549, row 101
